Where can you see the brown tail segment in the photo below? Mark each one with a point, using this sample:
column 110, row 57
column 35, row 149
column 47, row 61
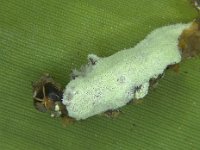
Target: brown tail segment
column 189, row 40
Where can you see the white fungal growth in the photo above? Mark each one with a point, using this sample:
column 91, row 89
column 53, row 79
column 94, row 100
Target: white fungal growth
column 57, row 108
column 111, row 82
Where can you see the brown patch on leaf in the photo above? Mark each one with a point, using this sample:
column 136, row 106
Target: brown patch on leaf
column 112, row 113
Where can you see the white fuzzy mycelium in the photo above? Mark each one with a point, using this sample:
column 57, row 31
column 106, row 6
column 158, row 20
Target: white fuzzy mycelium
column 111, row 82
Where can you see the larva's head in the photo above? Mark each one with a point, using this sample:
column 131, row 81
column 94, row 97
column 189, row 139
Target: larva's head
column 47, row 96
column 189, row 40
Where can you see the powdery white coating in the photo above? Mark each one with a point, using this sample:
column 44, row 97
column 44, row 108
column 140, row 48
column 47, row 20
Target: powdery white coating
column 112, row 82
column 57, row 107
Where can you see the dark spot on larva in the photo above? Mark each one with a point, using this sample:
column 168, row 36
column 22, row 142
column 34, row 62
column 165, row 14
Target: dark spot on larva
column 121, row 79
column 153, row 81
column 137, row 88
column 92, row 61
column 73, row 76
column 112, row 113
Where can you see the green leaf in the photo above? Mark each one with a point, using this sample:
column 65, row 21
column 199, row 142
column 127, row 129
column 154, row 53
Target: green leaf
column 55, row 37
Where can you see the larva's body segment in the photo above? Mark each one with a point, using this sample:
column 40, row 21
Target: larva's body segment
column 111, row 82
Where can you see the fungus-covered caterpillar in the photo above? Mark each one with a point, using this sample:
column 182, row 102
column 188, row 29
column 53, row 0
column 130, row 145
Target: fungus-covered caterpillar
column 108, row 83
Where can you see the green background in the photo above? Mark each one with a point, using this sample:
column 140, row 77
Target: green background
column 55, row 36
